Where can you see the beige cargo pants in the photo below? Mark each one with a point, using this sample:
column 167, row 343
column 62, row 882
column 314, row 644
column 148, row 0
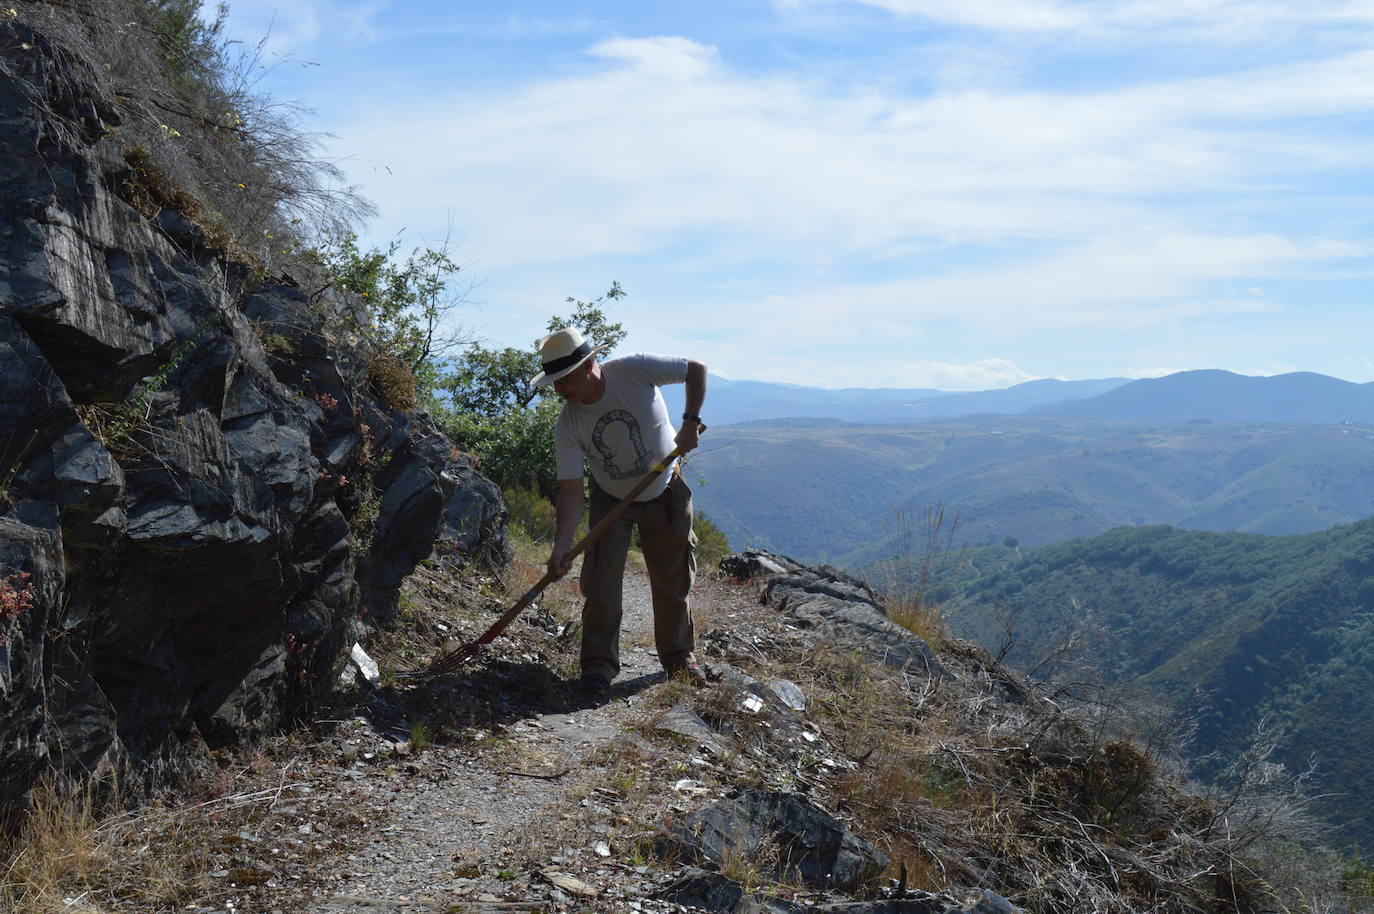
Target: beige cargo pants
column 669, row 546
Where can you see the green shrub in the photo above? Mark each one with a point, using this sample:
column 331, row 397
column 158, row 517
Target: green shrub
column 1357, row 877
column 712, row 546
column 494, row 413
column 515, row 447
column 401, row 309
column 531, row 514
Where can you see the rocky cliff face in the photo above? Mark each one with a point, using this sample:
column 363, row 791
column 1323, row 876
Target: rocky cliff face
column 192, row 523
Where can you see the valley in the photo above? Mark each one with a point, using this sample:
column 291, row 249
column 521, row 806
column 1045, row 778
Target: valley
column 828, row 491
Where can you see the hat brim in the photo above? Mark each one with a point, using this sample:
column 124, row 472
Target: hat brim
column 545, row 378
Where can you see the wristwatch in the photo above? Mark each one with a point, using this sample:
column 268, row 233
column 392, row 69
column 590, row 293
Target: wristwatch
column 688, row 417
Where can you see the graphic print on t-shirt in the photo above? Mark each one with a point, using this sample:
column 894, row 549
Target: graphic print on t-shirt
column 623, row 429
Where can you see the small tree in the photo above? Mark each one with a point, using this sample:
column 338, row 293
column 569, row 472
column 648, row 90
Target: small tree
column 191, row 46
column 406, row 309
column 495, row 413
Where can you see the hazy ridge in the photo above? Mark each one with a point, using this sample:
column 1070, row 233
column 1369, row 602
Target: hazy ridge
column 1187, row 395
column 829, row 492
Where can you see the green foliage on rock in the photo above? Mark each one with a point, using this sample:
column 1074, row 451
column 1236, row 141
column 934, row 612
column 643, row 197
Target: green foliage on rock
column 712, row 546
column 401, row 313
column 492, row 410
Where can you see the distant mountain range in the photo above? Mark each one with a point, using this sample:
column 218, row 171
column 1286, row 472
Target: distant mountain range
column 1268, row 627
column 749, row 401
column 1301, row 396
column 1187, row 395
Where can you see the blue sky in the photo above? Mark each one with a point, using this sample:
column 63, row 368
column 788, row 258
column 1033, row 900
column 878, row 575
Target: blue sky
column 958, row 194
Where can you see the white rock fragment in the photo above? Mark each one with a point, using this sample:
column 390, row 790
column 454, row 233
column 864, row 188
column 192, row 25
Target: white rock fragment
column 601, row 849
column 789, row 693
column 769, row 565
column 569, row 884
column 365, row 665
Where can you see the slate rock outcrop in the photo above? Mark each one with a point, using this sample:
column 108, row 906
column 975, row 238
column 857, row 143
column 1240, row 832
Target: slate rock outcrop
column 697, row 888
column 783, row 834
column 202, row 491
column 836, row 607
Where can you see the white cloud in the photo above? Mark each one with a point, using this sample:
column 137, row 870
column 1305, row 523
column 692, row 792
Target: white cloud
column 518, row 26
column 669, row 58
column 984, row 374
column 664, row 142
column 871, row 216
column 1216, row 19
column 1010, row 15
column 1122, row 283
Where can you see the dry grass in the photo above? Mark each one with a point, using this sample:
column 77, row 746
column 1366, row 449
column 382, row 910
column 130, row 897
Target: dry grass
column 1057, row 807
column 392, row 381
column 754, row 869
column 149, row 190
column 920, row 549
column 562, row 598
column 56, row 852
column 71, row 854
column 616, row 796
column 925, row 620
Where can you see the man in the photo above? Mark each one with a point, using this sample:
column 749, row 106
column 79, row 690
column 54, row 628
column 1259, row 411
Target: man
column 614, row 419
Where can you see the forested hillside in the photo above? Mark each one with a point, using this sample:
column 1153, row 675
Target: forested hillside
column 1242, row 628
column 828, row 491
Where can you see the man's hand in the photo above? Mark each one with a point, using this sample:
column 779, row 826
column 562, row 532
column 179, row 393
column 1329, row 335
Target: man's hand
column 688, row 437
column 569, row 508
column 559, row 563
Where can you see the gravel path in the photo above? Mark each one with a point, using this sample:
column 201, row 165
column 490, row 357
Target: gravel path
column 528, row 818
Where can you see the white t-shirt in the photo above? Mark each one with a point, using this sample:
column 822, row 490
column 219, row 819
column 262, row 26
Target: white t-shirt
column 627, row 432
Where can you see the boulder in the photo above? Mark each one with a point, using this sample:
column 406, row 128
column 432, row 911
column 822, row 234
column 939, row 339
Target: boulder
column 696, row 888
column 754, row 563
column 925, row 904
column 682, row 721
column 784, row 835
column 784, row 732
column 847, row 613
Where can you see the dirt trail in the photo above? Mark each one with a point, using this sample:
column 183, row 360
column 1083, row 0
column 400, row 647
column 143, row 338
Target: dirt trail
column 528, row 818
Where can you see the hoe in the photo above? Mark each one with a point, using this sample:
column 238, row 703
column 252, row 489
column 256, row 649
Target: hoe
column 450, row 661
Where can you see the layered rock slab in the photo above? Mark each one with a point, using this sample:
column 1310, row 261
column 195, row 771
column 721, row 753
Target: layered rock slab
column 206, row 521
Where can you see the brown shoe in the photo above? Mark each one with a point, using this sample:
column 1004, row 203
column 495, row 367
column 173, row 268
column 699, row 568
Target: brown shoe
column 688, row 671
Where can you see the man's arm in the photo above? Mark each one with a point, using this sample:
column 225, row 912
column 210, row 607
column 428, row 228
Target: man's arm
column 689, row 435
column 569, row 505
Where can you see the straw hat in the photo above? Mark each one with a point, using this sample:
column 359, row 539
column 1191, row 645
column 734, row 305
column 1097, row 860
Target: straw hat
column 561, row 352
